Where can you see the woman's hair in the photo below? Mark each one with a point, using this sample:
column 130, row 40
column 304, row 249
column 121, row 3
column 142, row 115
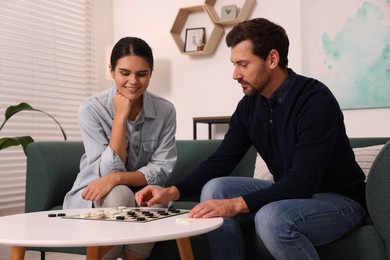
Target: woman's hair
column 131, row 46
column 264, row 36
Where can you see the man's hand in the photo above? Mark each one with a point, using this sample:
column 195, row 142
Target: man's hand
column 153, row 194
column 219, row 208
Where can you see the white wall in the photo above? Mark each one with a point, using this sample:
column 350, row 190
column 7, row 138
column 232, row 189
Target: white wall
column 103, row 32
column 367, row 122
column 203, row 85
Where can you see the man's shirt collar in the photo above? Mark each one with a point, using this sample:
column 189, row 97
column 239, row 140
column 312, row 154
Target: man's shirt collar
column 281, row 93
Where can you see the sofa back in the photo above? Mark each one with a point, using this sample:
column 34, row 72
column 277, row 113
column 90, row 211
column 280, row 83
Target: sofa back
column 367, row 141
column 192, row 152
column 52, row 167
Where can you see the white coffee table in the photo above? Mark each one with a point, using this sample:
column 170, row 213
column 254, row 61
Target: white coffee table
column 38, row 230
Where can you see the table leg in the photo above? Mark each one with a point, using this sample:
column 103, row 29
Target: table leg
column 185, row 249
column 17, row 253
column 96, row 252
column 194, row 128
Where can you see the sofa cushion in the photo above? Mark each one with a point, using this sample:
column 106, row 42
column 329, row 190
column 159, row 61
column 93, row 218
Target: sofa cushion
column 365, row 156
column 261, row 170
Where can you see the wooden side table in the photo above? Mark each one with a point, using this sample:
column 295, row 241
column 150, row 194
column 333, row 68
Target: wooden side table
column 210, row 121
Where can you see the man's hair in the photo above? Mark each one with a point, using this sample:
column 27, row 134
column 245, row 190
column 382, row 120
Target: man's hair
column 264, row 35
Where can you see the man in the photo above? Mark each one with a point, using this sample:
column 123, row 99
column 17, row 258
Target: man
column 297, row 127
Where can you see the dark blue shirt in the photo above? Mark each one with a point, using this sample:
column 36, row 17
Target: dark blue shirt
column 300, row 134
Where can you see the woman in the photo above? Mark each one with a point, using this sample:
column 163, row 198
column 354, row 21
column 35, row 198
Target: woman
column 129, row 139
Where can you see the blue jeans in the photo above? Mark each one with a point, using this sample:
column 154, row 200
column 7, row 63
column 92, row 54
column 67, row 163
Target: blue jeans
column 290, row 229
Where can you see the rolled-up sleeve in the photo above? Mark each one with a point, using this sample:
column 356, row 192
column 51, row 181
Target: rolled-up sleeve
column 111, row 162
column 95, row 128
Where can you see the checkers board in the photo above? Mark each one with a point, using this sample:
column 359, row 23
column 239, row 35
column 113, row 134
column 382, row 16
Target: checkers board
column 128, row 214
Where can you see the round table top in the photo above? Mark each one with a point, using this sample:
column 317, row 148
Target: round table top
column 38, row 229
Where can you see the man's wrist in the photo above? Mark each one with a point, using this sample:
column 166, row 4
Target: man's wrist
column 240, row 205
column 173, row 193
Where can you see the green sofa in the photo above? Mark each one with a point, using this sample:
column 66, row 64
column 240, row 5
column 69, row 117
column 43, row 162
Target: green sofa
column 52, row 167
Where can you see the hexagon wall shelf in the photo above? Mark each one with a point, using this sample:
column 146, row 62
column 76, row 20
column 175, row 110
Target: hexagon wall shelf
column 242, row 14
column 218, row 29
column 178, row 26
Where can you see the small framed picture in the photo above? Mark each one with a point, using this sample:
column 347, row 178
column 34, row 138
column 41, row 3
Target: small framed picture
column 228, row 12
column 195, row 39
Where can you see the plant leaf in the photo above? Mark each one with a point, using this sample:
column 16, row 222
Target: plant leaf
column 15, row 141
column 62, row 130
column 12, row 110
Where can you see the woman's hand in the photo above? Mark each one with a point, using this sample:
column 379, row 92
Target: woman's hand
column 99, row 188
column 122, row 107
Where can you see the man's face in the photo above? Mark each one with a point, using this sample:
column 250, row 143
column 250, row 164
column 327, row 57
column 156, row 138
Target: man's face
column 250, row 70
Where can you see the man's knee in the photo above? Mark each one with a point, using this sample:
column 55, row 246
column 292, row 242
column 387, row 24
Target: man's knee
column 269, row 219
column 212, row 190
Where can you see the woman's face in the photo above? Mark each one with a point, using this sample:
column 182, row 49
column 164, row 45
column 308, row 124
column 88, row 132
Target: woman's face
column 132, row 75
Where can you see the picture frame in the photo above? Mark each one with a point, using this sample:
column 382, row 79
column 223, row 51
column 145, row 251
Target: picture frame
column 194, row 39
column 229, row 12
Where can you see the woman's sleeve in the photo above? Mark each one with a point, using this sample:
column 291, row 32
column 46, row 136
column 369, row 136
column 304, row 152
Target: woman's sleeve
column 101, row 159
column 163, row 159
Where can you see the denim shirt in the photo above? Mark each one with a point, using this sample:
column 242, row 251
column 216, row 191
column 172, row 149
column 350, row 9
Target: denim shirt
column 150, row 143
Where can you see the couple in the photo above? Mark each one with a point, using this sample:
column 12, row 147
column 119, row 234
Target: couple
column 294, row 123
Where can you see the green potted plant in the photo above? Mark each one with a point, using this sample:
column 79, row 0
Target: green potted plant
column 6, row 142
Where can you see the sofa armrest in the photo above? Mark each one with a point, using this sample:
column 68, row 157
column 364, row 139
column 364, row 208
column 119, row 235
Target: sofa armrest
column 52, row 168
column 378, row 195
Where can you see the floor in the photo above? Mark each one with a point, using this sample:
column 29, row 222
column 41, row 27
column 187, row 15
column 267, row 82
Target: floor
column 32, row 255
